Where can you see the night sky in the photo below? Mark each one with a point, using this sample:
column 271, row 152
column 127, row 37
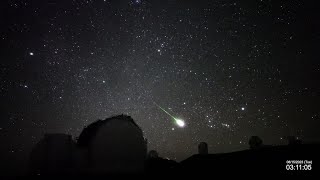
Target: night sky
column 229, row 69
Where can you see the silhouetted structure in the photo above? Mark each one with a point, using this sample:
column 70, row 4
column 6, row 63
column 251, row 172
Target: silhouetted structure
column 115, row 145
column 255, row 142
column 259, row 159
column 203, row 148
column 156, row 164
column 52, row 155
column 153, row 154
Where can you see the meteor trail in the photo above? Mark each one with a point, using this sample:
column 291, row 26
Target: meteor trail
column 164, row 110
column 179, row 122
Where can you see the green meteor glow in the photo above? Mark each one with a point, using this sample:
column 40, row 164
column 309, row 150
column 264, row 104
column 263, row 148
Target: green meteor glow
column 179, row 122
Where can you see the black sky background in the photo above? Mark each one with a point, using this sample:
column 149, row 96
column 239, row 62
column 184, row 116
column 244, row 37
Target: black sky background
column 229, row 69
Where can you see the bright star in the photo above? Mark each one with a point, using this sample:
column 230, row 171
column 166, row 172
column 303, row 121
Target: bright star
column 31, row 53
column 242, row 108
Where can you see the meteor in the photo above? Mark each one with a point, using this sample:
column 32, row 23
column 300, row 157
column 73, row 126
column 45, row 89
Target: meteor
column 179, row 122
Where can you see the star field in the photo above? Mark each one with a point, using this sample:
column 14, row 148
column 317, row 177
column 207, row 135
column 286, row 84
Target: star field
column 229, row 69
